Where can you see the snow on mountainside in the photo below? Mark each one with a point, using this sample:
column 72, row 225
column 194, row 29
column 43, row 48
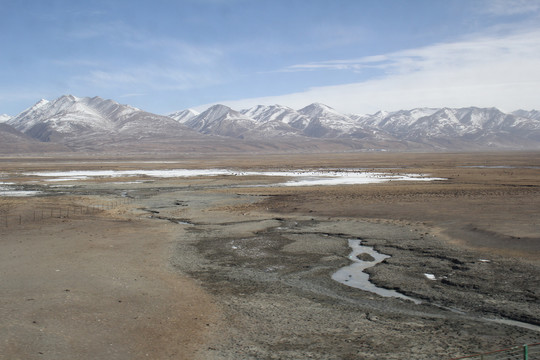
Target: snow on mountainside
column 4, row 118
column 465, row 122
column 533, row 114
column 90, row 123
column 397, row 120
column 275, row 120
column 428, row 127
column 221, row 120
column 277, row 113
column 64, row 115
column 70, row 119
column 480, row 127
column 184, row 115
column 325, row 121
column 315, row 120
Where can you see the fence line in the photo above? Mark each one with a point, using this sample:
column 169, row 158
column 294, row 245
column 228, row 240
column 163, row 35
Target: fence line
column 58, row 212
column 524, row 352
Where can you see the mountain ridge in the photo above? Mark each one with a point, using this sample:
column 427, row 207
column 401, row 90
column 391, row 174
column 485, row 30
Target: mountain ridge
column 95, row 123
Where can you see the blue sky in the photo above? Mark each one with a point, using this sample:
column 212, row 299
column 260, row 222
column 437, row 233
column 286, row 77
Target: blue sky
column 357, row 56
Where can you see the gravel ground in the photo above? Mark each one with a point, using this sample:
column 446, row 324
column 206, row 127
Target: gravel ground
column 272, row 275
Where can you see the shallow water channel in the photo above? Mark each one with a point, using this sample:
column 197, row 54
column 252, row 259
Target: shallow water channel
column 353, row 275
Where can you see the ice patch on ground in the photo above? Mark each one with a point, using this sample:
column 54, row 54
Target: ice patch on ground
column 299, row 177
column 8, row 190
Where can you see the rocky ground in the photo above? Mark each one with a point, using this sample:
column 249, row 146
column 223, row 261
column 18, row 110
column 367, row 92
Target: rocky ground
column 260, row 259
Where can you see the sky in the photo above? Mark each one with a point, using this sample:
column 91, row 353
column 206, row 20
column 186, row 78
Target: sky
column 357, row 56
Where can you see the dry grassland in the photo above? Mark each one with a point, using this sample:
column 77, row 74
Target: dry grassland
column 213, row 268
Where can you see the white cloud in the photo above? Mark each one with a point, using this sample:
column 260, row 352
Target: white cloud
column 169, row 63
column 149, row 77
column 484, row 71
column 132, row 39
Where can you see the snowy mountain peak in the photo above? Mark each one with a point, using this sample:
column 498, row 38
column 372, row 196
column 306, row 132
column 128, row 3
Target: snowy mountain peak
column 72, row 121
column 317, row 109
column 327, row 122
column 532, row 114
column 221, row 120
column 70, row 118
column 276, row 113
column 37, row 105
column 41, row 103
column 64, row 101
column 217, row 111
column 4, row 118
column 184, row 115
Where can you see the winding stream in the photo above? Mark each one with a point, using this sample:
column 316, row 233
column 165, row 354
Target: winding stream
column 353, row 275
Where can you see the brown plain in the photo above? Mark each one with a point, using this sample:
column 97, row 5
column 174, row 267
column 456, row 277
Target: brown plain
column 102, row 286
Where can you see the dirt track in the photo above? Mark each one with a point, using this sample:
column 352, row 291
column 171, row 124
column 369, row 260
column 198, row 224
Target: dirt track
column 255, row 265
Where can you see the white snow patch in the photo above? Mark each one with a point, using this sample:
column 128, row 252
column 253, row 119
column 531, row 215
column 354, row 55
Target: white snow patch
column 8, row 191
column 430, row 276
column 299, row 177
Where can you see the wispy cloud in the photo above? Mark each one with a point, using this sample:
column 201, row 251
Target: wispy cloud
column 480, row 50
column 379, row 61
column 482, row 71
column 149, row 77
column 119, row 34
column 159, row 62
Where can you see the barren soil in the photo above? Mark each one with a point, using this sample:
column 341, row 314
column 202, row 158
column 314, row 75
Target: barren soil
column 214, row 268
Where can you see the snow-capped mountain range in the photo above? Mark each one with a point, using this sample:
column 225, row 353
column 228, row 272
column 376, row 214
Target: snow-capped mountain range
column 92, row 123
column 446, row 128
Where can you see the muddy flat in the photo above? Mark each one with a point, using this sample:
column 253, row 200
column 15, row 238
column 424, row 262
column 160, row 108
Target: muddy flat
column 229, row 266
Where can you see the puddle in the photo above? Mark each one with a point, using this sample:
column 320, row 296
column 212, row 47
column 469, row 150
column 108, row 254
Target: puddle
column 354, row 275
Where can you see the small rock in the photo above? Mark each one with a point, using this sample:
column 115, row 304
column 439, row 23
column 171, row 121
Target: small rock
column 371, row 317
column 365, row 257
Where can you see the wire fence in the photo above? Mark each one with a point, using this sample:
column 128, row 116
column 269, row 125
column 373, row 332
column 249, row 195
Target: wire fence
column 8, row 219
column 524, row 352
